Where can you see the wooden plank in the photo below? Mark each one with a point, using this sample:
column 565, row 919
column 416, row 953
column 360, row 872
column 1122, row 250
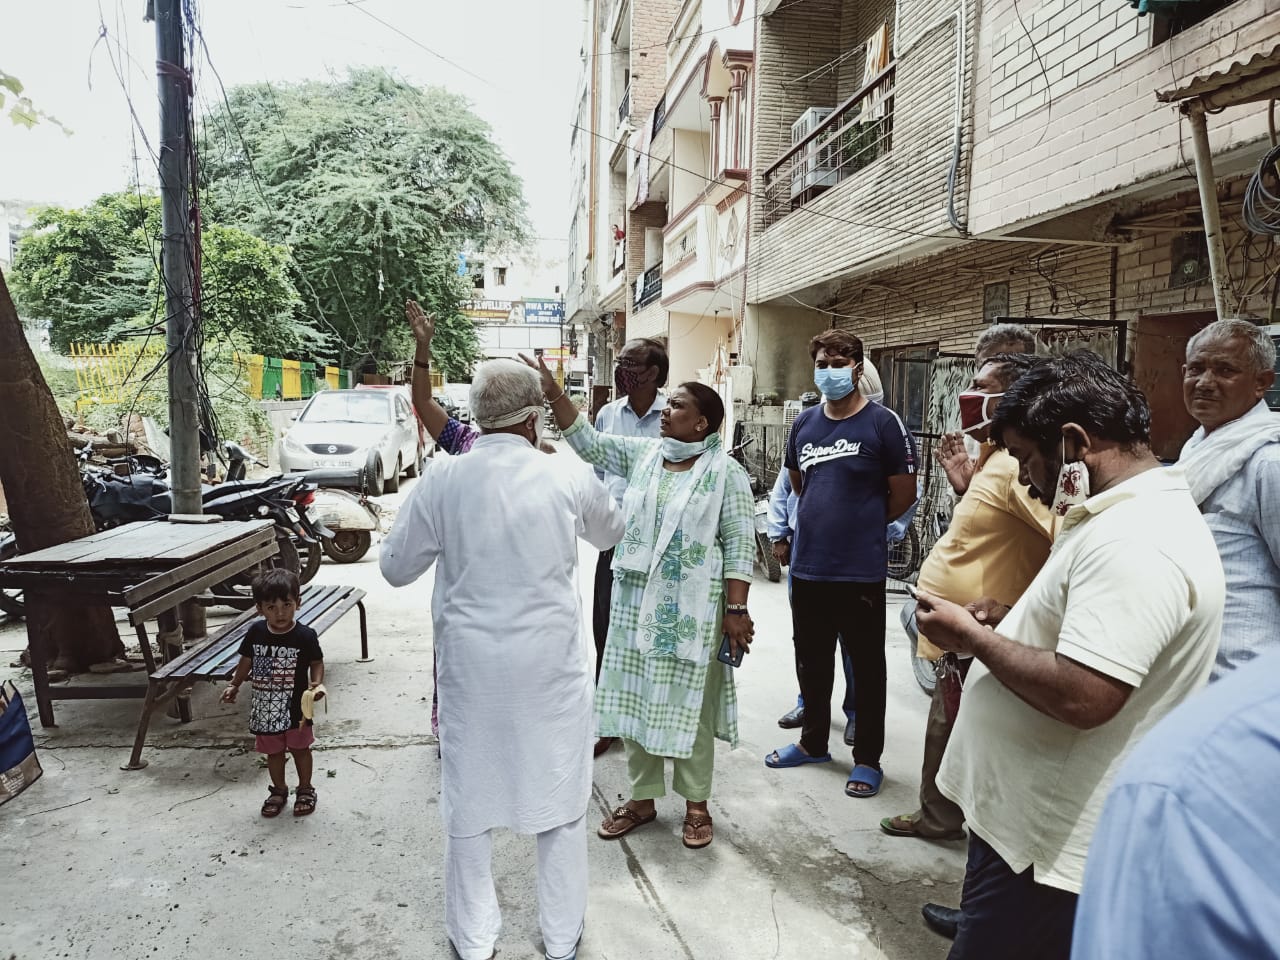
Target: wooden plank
column 187, row 590
column 69, row 551
column 248, row 541
column 140, row 543
column 215, row 536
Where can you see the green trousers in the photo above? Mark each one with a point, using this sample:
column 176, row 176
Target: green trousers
column 692, row 777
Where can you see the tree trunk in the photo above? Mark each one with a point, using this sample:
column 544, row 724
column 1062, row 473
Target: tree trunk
column 46, row 500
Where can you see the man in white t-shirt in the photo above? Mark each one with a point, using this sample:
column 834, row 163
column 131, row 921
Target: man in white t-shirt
column 1119, row 627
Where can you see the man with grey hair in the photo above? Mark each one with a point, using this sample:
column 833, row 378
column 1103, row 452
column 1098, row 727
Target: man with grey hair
column 515, row 681
column 1232, row 465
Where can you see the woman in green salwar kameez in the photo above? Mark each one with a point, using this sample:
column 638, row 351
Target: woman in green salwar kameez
column 681, row 577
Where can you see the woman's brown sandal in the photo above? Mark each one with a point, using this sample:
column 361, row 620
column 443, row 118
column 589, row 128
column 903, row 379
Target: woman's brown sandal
column 304, row 801
column 630, row 820
column 275, row 801
column 694, row 823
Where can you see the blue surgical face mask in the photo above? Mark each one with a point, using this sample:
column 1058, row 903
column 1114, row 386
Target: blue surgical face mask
column 836, row 383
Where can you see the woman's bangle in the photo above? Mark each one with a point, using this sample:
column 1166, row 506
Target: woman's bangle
column 556, row 399
column 738, row 609
column 424, row 364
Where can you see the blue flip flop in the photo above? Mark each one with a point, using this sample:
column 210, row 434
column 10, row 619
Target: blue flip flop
column 792, row 756
column 864, row 774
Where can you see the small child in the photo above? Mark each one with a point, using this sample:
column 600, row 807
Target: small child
column 283, row 659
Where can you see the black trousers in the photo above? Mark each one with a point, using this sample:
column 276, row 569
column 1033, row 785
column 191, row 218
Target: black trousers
column 1007, row 915
column 822, row 612
column 600, row 608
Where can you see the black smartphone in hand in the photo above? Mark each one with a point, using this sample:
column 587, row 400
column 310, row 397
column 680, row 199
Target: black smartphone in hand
column 726, row 653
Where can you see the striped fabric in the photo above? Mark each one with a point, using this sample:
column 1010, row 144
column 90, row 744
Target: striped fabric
column 1244, row 516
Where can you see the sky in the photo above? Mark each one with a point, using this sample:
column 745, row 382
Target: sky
column 517, row 61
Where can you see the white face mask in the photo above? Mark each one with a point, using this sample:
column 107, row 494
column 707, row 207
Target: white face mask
column 1073, row 484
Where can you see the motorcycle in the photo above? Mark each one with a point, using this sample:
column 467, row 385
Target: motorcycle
column 116, row 498
column 351, row 518
column 309, row 535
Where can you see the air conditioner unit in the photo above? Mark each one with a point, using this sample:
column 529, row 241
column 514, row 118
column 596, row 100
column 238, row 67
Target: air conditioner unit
column 790, row 410
column 818, row 167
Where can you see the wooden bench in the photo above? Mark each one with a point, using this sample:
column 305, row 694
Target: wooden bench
column 216, row 658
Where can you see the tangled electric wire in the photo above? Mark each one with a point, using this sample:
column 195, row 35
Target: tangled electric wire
column 1261, row 205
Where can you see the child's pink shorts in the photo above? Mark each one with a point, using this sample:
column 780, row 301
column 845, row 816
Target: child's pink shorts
column 298, row 738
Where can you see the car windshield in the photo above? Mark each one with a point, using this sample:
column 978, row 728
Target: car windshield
column 340, row 406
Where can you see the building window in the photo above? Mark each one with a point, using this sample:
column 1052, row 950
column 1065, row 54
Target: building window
column 1170, row 19
column 500, row 276
column 904, row 372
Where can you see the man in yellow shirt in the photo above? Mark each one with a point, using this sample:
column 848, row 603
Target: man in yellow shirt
column 998, row 540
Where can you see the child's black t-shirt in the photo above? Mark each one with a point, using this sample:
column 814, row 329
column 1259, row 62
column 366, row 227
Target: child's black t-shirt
column 281, row 673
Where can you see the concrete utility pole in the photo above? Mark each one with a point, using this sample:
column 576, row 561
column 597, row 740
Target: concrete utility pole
column 177, row 268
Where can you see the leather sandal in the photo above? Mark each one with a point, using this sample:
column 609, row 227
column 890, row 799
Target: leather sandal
column 693, row 822
column 275, row 801
column 630, row 820
column 304, row 801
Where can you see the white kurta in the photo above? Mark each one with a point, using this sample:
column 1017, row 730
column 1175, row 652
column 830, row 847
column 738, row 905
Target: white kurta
column 513, row 672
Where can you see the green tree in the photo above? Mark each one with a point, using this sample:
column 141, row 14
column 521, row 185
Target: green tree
column 88, row 270
column 375, row 185
column 92, row 272
column 247, row 293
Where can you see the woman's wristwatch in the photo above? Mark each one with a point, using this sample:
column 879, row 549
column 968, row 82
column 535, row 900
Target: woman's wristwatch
column 737, row 609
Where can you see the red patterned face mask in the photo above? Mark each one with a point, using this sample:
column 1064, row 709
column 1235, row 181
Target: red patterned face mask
column 626, row 379
column 1073, row 484
column 973, row 409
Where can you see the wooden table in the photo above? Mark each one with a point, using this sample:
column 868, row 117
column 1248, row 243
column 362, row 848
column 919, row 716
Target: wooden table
column 147, row 568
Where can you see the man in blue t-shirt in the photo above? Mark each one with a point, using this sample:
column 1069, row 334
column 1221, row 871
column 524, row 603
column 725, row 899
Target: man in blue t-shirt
column 852, row 462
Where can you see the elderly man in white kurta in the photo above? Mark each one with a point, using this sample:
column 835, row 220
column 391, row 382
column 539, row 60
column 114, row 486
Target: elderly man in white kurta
column 515, row 679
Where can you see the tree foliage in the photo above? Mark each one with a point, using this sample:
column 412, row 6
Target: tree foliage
column 93, row 273
column 88, row 270
column 22, row 112
column 375, row 186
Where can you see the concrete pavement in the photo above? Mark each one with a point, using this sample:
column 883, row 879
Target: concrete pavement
column 175, row 860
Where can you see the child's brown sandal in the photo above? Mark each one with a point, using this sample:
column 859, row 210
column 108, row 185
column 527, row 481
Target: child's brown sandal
column 304, row 801
column 275, row 801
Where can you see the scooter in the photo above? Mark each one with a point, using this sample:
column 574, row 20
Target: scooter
column 351, row 519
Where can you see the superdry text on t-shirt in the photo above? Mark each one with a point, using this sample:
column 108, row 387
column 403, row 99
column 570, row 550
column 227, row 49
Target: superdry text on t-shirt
column 843, row 509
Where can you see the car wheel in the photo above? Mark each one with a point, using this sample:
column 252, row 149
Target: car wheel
column 393, row 481
column 372, row 480
column 415, row 468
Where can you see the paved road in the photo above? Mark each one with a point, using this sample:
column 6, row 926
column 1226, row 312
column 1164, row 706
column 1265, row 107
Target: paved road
column 104, row 863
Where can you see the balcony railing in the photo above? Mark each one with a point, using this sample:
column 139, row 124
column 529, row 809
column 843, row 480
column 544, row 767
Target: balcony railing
column 659, row 115
column 647, row 288
column 624, row 108
column 857, row 133
column 619, row 256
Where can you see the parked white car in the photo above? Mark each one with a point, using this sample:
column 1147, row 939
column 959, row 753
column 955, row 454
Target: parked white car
column 354, row 438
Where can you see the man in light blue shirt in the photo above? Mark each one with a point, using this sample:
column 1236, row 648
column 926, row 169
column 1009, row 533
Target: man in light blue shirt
column 1185, row 862
column 639, row 377
column 1232, row 465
